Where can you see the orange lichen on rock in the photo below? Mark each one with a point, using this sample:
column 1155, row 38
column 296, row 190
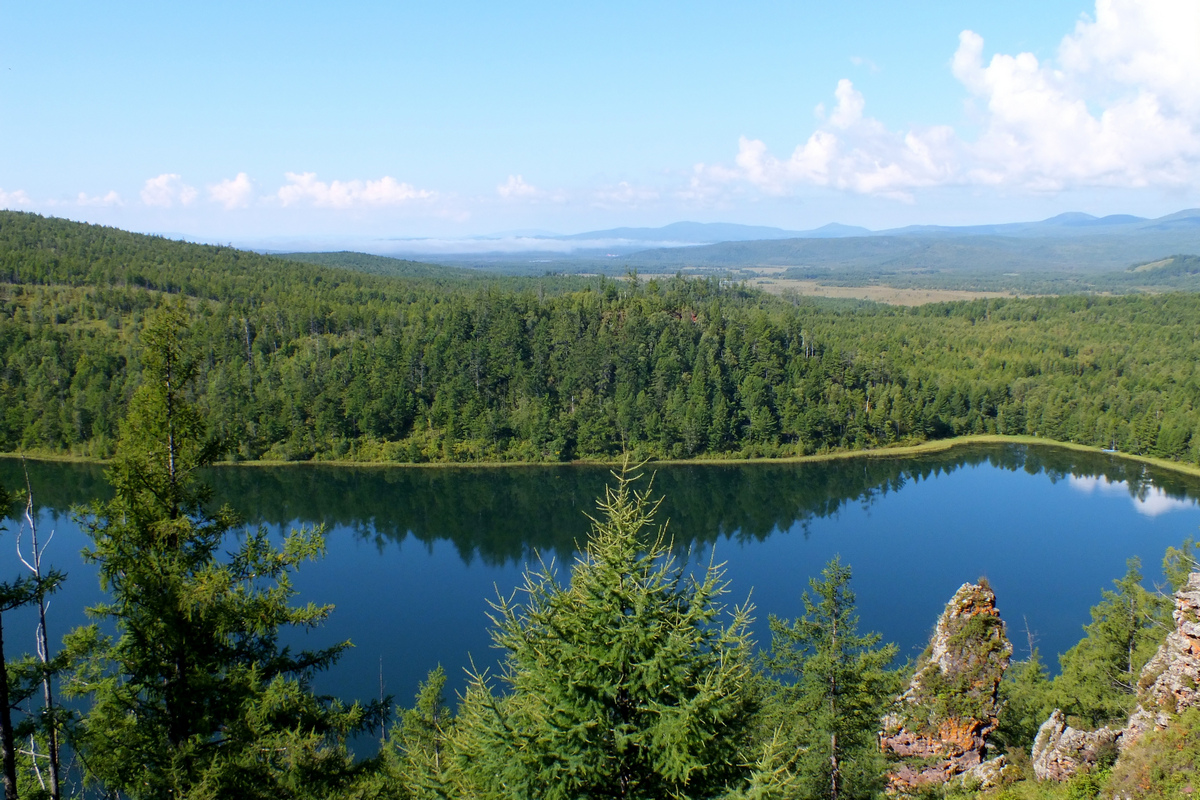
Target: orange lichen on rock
column 938, row 728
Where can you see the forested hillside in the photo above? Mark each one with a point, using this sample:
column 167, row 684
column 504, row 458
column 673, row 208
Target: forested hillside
column 310, row 362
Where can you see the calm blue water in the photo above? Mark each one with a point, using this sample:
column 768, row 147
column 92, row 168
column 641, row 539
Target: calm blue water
column 414, row 554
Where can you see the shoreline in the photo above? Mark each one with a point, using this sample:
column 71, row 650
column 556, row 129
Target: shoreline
column 898, row 451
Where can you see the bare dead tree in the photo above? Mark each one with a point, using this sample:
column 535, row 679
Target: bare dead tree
column 34, row 564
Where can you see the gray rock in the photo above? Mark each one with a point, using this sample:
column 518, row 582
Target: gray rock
column 988, row 775
column 1170, row 682
column 1060, row 751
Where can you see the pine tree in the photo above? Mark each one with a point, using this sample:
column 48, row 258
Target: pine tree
column 194, row 697
column 631, row 682
column 840, row 686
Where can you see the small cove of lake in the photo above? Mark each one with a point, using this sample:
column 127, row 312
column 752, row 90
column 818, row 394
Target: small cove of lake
column 415, row 554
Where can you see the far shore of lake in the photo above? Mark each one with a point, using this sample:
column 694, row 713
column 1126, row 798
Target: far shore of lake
column 934, row 446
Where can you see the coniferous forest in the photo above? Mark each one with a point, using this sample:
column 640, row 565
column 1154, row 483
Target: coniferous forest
column 313, row 362
column 635, row 679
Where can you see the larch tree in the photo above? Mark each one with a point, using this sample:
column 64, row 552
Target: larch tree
column 836, row 686
column 1099, row 675
column 193, row 696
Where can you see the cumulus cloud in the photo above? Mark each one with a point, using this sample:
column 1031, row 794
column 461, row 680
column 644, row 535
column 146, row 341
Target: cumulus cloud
column 110, row 199
column 233, row 192
column 15, row 199
column 848, row 151
column 1116, row 107
column 304, row 188
column 168, row 190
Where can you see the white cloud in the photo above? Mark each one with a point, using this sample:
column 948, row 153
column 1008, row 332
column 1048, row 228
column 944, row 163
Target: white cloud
column 110, row 199
column 517, row 188
column 233, row 192
column 625, row 195
column 849, row 152
column 304, row 188
column 166, row 190
column 1117, row 107
column 17, row 199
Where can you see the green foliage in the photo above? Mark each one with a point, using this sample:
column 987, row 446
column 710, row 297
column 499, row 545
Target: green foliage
column 1162, row 765
column 963, row 682
column 1026, row 694
column 1099, row 675
column 299, row 361
column 193, row 696
column 980, row 648
column 840, row 685
column 414, row 755
column 1180, row 562
column 20, row 680
column 630, row 682
column 384, row 265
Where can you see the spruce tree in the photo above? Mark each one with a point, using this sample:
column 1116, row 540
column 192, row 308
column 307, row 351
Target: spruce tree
column 838, row 687
column 194, row 696
column 630, row 682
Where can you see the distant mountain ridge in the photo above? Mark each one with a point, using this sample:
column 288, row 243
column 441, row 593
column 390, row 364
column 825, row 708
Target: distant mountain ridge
column 1072, row 240
column 1071, row 223
column 712, row 232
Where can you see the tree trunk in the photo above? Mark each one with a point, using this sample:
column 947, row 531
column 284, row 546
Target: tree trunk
column 6, row 728
column 834, row 771
column 43, row 646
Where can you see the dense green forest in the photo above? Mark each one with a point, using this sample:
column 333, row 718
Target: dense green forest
column 1176, row 273
column 310, row 362
column 637, row 679
column 1084, row 250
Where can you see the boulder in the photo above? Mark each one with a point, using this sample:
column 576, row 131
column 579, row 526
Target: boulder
column 1060, row 751
column 937, row 729
column 988, row 775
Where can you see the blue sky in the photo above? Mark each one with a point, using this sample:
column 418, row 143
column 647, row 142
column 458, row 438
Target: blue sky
column 231, row 121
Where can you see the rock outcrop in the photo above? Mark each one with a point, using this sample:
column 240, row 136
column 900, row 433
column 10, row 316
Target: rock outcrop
column 988, row 775
column 938, row 727
column 1170, row 682
column 1060, row 751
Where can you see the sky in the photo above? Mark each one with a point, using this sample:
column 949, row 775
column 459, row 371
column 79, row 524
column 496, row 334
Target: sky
column 241, row 121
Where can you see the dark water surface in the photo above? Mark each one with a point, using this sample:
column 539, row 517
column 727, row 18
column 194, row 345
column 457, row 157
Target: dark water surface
column 414, row 554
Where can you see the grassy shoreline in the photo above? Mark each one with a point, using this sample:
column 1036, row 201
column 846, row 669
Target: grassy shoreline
column 898, row 451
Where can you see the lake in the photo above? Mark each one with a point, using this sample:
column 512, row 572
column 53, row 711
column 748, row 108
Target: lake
column 416, row 553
